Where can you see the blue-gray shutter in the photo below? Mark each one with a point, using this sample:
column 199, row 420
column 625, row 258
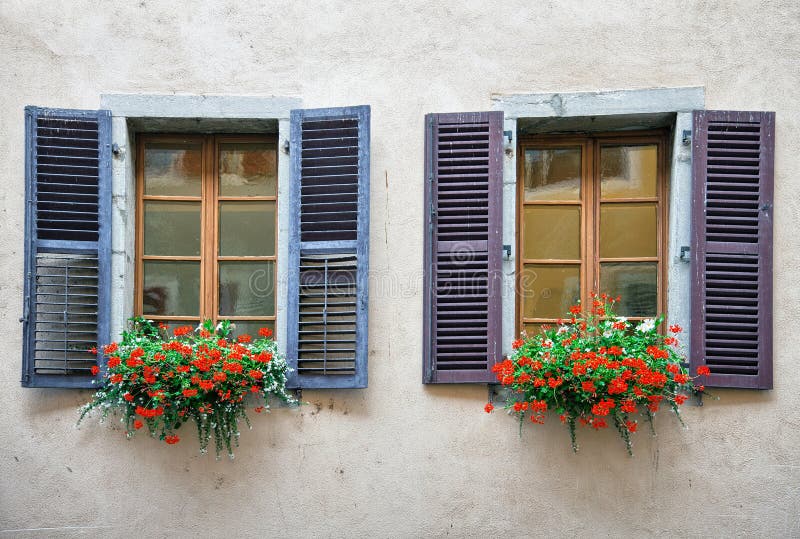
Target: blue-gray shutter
column 67, row 245
column 328, row 267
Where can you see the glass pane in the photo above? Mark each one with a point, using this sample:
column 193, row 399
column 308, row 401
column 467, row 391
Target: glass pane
column 532, row 329
column 628, row 171
column 246, row 288
column 548, row 290
column 171, row 228
column 251, row 327
column 247, row 228
column 636, row 282
column 172, row 168
column 552, row 232
column 553, row 174
column 628, row 230
column 248, row 169
column 171, row 288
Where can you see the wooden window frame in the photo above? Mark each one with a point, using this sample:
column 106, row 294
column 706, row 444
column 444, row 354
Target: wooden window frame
column 209, row 200
column 589, row 203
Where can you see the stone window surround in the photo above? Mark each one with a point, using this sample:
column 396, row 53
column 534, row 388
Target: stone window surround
column 575, row 111
column 237, row 113
column 185, row 113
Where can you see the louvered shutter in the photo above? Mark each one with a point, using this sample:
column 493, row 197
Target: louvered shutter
column 733, row 157
column 463, row 246
column 329, row 248
column 67, row 245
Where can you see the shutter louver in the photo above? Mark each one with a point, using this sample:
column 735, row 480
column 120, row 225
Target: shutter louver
column 733, row 155
column 67, row 245
column 463, row 247
column 329, row 248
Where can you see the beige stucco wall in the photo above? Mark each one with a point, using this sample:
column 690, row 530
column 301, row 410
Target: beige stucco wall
column 400, row 459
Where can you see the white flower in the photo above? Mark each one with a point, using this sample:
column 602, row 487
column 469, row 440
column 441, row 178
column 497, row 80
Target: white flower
column 622, row 319
column 608, row 333
column 562, row 329
column 646, row 325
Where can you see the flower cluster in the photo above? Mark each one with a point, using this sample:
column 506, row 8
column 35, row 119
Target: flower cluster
column 596, row 368
column 162, row 381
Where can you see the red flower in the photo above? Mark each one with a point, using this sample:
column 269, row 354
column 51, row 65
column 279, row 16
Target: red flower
column 681, row 378
column 588, row 387
column 116, row 378
column 675, row 328
column 113, row 362
column 128, row 397
column 680, row 399
column 702, row 370
column 265, row 332
column 258, row 409
column 95, row 370
column 232, row 367
column 163, row 326
column 181, row 331
column 137, row 424
column 189, row 392
column 93, row 350
column 516, row 344
column 220, row 376
column 256, row 375
column 245, row 338
column 182, row 368
column 631, row 426
column 628, row 407
column 575, row 309
column 174, row 439
column 206, row 385
column 489, row 407
column 110, row 348
column 204, row 333
column 617, row 386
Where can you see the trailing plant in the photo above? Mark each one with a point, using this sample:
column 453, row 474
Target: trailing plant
column 161, row 381
column 595, row 369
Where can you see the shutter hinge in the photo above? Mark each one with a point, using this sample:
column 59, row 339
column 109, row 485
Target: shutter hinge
column 509, row 135
column 685, row 251
column 686, row 139
column 25, row 309
column 507, row 250
column 286, row 146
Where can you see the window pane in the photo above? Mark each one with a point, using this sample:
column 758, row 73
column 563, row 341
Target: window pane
column 552, row 232
column 548, row 290
column 171, row 288
column 171, row 228
column 246, row 288
column 248, row 169
column 251, row 327
column 553, row 174
column 628, row 230
column 247, row 228
column 628, row 171
column 172, row 169
column 636, row 282
column 535, row 328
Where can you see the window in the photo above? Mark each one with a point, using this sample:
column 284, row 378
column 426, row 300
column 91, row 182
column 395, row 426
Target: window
column 591, row 216
column 206, row 229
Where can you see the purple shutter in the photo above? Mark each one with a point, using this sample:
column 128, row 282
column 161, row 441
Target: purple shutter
column 463, row 246
column 733, row 157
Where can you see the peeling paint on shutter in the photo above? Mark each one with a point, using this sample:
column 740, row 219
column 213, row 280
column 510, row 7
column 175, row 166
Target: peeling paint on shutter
column 329, row 248
column 463, row 246
column 67, row 245
column 733, row 156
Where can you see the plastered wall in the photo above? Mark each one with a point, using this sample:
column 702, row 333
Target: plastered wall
column 400, row 459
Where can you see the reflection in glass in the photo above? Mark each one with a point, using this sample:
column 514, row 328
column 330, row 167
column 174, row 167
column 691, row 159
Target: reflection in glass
column 248, row 169
column 171, row 228
column 246, row 288
column 552, row 232
column 552, row 174
column 636, row 282
column 628, row 171
column 628, row 230
column 171, row 288
column 548, row 290
column 247, row 228
column 172, row 168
